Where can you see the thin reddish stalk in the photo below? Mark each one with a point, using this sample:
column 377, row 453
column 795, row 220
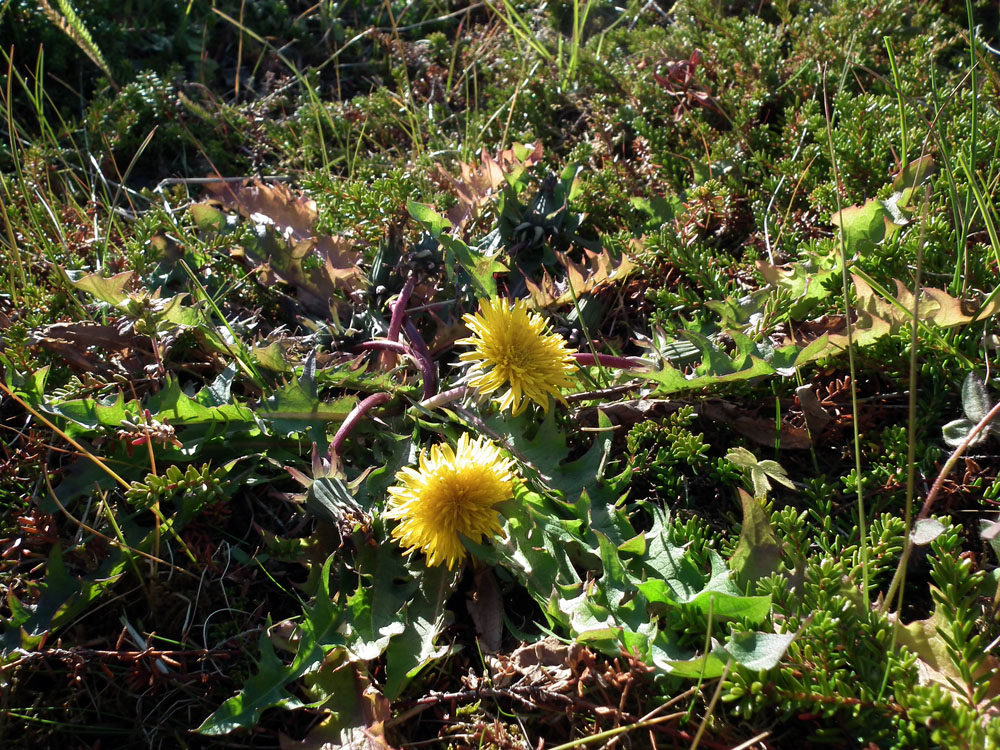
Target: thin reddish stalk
column 359, row 411
column 445, row 397
column 953, row 459
column 396, row 321
column 382, row 345
column 420, row 352
column 416, row 349
column 399, row 309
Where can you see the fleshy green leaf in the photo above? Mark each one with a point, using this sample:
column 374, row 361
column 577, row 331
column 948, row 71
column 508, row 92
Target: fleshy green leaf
column 425, row 617
column 61, row 597
column 174, row 406
column 956, row 431
column 975, row 398
column 866, row 225
column 926, row 530
column 428, row 218
column 92, row 413
column 758, row 651
column 680, row 662
column 110, row 290
column 266, row 689
column 758, row 551
column 296, row 408
column 208, row 218
column 668, row 564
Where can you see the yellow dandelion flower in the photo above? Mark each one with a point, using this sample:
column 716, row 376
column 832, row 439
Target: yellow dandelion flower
column 513, row 349
column 452, row 493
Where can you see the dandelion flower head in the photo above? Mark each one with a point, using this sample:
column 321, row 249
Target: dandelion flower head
column 513, row 349
column 453, row 492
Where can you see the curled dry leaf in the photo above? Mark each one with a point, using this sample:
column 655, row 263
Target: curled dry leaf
column 817, row 417
column 581, row 278
column 485, row 606
column 74, row 342
column 877, row 316
column 547, row 663
column 295, row 215
column 317, row 265
column 478, row 181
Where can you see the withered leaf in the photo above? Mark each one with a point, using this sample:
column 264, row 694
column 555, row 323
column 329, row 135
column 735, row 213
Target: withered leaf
column 547, row 663
column 485, row 606
column 73, row 342
column 817, row 418
column 292, row 251
column 478, row 181
column 759, row 430
column 597, row 269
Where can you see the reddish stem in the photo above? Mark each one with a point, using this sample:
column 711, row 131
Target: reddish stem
column 376, row 399
column 416, row 349
column 925, row 510
column 383, row 345
column 399, row 308
column 420, row 352
column 396, row 321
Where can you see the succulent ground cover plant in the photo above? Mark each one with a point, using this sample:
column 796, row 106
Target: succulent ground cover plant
column 499, row 374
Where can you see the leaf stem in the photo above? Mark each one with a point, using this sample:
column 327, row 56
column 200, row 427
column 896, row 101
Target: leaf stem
column 845, row 282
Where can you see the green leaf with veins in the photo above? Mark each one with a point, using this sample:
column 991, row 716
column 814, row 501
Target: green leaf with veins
column 425, row 617
column 61, row 597
column 297, row 409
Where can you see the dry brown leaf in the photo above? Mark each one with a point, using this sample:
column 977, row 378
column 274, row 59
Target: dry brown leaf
column 817, row 418
column 625, row 415
column 478, row 181
column 283, row 208
column 757, row 429
column 317, row 265
column 878, row 316
column 485, row 606
column 73, row 341
column 547, row 663
column 597, row 269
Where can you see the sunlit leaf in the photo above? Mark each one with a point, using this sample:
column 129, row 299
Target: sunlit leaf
column 758, row 552
column 758, row 651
